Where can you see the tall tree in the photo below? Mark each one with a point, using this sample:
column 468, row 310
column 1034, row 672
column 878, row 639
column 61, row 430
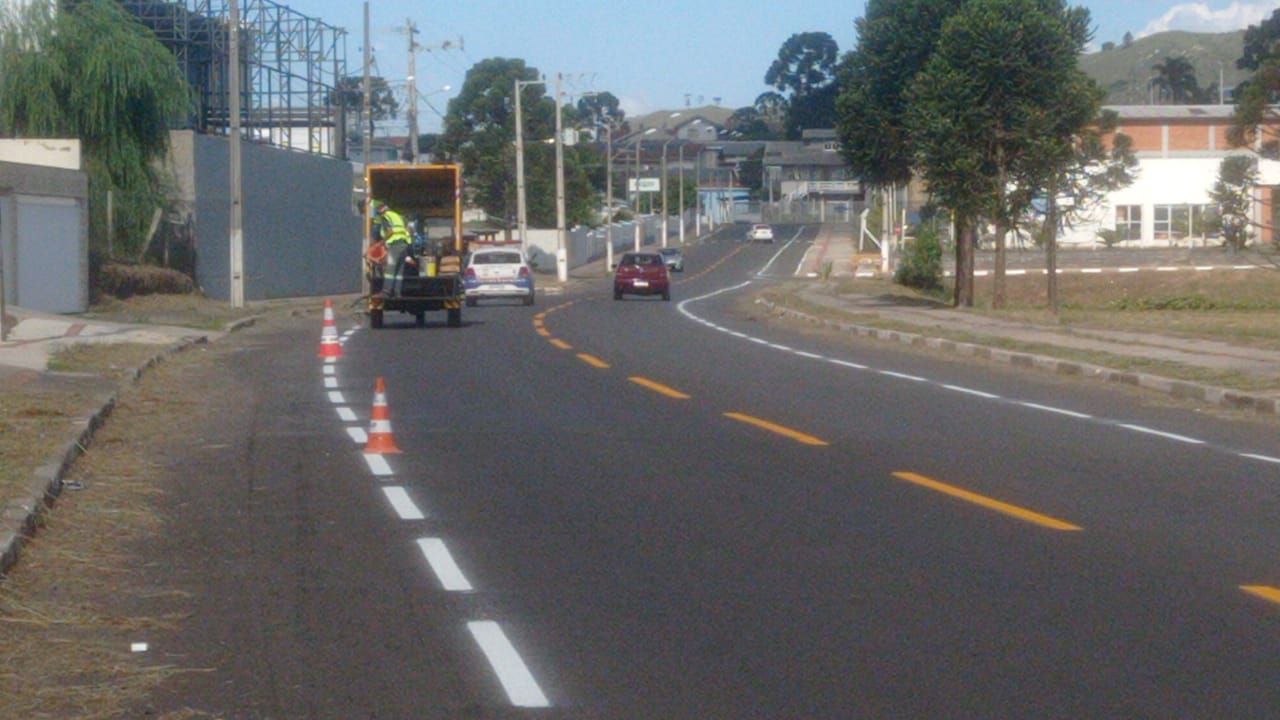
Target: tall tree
column 895, row 41
column 998, row 106
column 1256, row 96
column 1175, row 81
column 349, row 94
column 93, row 72
column 749, row 124
column 805, row 74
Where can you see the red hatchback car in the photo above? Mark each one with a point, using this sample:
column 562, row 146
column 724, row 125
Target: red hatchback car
column 641, row 273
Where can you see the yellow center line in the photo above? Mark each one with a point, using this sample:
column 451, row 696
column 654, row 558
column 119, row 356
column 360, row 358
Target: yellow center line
column 592, row 360
column 561, row 344
column 1265, row 592
column 779, row 429
column 658, row 387
column 989, row 503
column 544, row 332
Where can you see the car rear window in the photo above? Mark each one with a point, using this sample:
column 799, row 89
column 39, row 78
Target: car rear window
column 641, row 260
column 496, row 258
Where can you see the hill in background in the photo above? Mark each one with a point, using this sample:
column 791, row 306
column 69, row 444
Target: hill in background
column 1126, row 72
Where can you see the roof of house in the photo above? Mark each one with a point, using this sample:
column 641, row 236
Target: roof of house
column 1172, row 112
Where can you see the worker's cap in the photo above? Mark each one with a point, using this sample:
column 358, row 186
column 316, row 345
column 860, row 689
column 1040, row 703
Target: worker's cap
column 377, row 206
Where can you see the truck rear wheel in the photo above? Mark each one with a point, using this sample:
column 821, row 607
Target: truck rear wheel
column 455, row 317
column 420, row 318
column 375, row 319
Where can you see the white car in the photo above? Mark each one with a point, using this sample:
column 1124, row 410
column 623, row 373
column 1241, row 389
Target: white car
column 760, row 233
column 497, row 272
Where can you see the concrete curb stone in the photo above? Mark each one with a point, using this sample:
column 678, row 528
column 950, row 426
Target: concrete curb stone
column 1223, row 397
column 21, row 517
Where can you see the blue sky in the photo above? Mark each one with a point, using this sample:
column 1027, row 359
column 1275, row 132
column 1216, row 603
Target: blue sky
column 662, row 54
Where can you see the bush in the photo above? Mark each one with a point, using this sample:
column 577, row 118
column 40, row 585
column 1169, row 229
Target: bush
column 121, row 280
column 921, row 265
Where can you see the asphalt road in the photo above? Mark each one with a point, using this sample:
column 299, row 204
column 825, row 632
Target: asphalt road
column 648, row 509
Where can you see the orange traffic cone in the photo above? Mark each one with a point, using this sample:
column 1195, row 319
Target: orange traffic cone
column 380, row 439
column 329, row 344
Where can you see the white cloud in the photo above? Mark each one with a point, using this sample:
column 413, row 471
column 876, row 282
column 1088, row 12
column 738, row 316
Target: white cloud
column 1197, row 17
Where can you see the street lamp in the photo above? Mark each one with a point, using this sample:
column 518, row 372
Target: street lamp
column 680, row 190
column 665, row 217
column 522, row 220
column 636, row 210
column 608, row 193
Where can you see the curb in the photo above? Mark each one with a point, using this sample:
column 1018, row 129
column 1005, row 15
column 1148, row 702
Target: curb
column 1223, row 397
column 21, row 518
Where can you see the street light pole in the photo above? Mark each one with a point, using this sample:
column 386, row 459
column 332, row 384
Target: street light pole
column 233, row 161
column 664, row 187
column 680, row 190
column 522, row 219
column 608, row 196
column 562, row 250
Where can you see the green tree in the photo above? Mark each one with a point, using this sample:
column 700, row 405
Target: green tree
column 479, row 132
column 1175, row 81
column 997, row 108
column 1233, row 191
column 349, row 95
column 749, row 124
column 1258, row 92
column 92, row 72
column 895, row 41
column 805, row 74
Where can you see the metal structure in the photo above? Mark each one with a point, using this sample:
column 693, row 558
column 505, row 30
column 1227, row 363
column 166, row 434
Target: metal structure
column 290, row 67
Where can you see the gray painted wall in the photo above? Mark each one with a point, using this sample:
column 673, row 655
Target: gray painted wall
column 44, row 237
column 301, row 231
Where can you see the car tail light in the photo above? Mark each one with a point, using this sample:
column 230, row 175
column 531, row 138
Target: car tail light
column 524, row 271
column 470, row 274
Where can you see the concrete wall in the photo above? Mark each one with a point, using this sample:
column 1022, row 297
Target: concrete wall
column 53, row 152
column 586, row 245
column 301, row 231
column 44, row 237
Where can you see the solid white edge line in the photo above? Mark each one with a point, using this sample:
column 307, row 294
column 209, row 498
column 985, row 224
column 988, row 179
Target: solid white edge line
column 1263, row 458
column 811, row 356
column 515, row 677
column 401, row 503
column 378, row 464
column 1060, row 411
column 346, row 414
column 846, row 363
column 442, row 564
column 903, row 376
column 358, row 435
column 969, row 391
column 1158, row 433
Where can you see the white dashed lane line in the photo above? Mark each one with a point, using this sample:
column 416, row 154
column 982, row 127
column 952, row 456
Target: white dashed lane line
column 402, row 504
column 442, row 564
column 515, row 677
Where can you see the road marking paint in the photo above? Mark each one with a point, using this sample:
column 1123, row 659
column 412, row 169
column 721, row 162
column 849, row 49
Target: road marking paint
column 442, row 564
column 514, row 675
column 330, row 360
column 331, row 382
column 987, row 502
column 336, row 398
column 1158, row 433
column 378, row 464
column 1128, row 269
column 1166, row 268
column 1060, row 411
column 592, row 360
column 776, row 428
column 658, row 387
column 346, row 414
column 330, row 370
column 401, row 503
column 903, row 376
column 358, row 435
column 1265, row 592
column 758, row 341
column 783, row 348
column 1091, row 271
column 846, row 363
column 561, row 344
column 1263, row 458
column 544, row 332
column 970, row 391
column 811, row 356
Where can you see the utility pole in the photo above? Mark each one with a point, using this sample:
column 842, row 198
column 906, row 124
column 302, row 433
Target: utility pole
column 562, row 251
column 411, row 30
column 522, row 213
column 233, row 169
column 366, row 116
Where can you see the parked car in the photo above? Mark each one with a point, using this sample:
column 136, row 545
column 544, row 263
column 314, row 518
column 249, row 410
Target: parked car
column 760, row 233
column 641, row 273
column 497, row 272
column 673, row 258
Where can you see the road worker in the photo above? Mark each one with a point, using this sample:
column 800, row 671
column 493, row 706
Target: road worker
column 394, row 234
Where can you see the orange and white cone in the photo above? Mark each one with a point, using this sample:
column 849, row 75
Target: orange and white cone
column 330, row 346
column 380, row 439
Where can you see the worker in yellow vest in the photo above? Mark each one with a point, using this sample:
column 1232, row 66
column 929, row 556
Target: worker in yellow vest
column 394, row 234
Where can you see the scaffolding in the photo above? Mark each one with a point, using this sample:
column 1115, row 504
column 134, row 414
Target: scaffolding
column 291, row 66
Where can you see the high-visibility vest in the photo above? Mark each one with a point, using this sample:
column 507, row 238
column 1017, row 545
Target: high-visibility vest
column 393, row 227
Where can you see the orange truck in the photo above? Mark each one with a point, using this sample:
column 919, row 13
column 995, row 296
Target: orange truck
column 429, row 198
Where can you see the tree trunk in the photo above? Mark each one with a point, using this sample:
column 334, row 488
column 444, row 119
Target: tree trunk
column 964, row 262
column 1050, row 235
column 999, row 296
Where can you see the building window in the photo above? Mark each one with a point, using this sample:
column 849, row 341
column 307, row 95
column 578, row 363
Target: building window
column 1174, row 222
column 1128, row 222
